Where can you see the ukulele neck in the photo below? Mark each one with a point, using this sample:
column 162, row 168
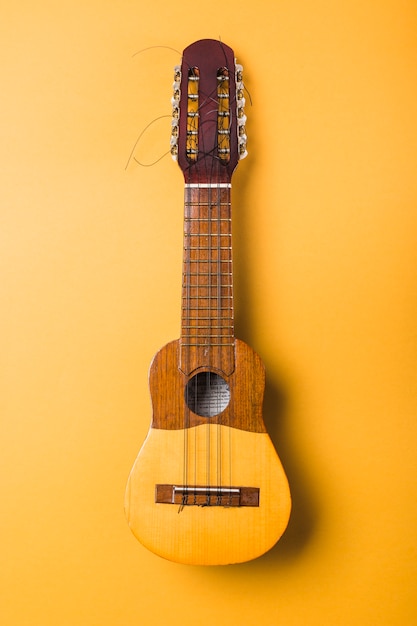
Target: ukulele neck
column 207, row 329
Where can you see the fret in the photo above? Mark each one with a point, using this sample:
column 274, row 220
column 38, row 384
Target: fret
column 189, row 244
column 207, row 292
column 209, row 336
column 220, row 331
column 205, row 345
column 213, row 291
column 217, row 289
column 212, row 235
column 207, row 308
column 225, row 296
column 207, row 248
column 201, row 280
column 204, row 280
column 205, row 219
column 186, row 234
column 207, row 274
column 217, row 335
column 208, row 339
column 197, row 280
column 197, row 261
column 214, row 259
column 209, row 214
column 216, row 319
column 210, row 203
column 211, row 327
column 196, row 303
column 194, row 257
column 210, row 220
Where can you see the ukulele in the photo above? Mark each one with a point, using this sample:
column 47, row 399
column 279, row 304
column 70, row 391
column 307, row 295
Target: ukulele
column 207, row 487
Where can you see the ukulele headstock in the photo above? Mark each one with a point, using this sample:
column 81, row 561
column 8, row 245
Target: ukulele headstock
column 208, row 119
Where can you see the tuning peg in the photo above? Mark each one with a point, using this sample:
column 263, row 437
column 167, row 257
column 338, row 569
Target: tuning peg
column 241, row 117
column 175, row 102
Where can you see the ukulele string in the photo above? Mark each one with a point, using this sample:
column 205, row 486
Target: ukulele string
column 215, row 323
column 186, row 318
column 208, row 336
column 197, row 324
column 228, row 292
column 219, row 332
column 209, row 331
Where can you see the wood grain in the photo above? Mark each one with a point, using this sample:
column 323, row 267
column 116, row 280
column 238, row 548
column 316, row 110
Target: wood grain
column 231, row 448
column 207, row 318
column 167, row 384
column 209, row 535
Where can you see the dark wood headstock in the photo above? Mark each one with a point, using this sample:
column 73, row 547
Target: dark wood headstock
column 208, row 125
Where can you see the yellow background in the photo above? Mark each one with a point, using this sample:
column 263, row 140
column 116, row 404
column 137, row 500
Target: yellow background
column 325, row 224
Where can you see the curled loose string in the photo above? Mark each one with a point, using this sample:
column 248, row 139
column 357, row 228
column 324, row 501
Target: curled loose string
column 153, row 48
column 135, row 145
column 132, row 156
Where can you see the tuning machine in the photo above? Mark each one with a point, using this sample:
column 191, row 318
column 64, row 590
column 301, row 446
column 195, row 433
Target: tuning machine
column 241, row 117
column 175, row 101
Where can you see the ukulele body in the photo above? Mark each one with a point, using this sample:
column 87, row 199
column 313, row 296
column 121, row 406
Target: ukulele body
column 207, row 490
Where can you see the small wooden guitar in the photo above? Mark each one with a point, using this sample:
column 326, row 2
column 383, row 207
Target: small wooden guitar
column 207, row 486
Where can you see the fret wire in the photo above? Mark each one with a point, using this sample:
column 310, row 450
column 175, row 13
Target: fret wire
column 196, row 285
column 205, row 345
column 225, row 322
column 215, row 205
column 229, row 334
column 205, row 336
column 207, row 308
column 206, row 273
column 205, row 219
column 207, row 248
column 209, row 186
column 199, row 290
column 192, row 231
column 217, row 319
column 214, row 327
column 208, row 261
column 211, row 336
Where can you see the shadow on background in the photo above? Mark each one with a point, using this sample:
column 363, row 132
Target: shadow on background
column 305, row 507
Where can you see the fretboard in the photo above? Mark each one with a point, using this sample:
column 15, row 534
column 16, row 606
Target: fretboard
column 207, row 331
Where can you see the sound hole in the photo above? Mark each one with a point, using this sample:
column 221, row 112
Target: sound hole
column 207, row 394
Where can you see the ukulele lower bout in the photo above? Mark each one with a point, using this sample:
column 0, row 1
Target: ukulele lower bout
column 207, row 535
